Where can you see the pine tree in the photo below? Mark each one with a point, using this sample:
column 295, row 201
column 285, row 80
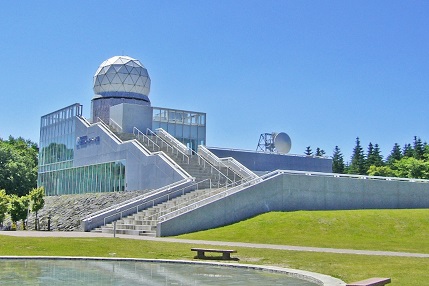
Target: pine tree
column 308, row 151
column 395, row 154
column 377, row 155
column 418, row 148
column 374, row 157
column 337, row 161
column 407, row 151
column 369, row 155
column 358, row 162
column 320, row 152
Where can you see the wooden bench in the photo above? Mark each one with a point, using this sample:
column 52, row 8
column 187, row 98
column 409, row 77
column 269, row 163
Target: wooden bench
column 226, row 254
column 371, row 282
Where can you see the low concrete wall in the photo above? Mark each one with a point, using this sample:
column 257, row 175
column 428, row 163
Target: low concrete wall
column 290, row 192
column 268, row 162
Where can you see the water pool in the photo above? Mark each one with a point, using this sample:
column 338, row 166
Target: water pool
column 119, row 272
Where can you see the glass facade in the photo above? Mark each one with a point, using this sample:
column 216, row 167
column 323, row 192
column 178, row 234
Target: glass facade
column 56, row 171
column 187, row 126
column 105, row 177
column 57, row 138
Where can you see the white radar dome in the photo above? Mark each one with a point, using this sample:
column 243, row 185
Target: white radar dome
column 122, row 76
column 282, row 142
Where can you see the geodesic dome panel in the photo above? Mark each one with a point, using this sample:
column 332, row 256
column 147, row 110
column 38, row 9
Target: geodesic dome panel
column 122, row 76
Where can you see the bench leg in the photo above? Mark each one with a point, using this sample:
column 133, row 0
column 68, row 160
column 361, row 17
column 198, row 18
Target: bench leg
column 226, row 256
column 200, row 254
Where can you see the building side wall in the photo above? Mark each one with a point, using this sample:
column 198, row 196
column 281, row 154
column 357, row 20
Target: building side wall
column 128, row 116
column 99, row 163
column 142, row 171
column 260, row 162
column 100, row 107
column 300, row 192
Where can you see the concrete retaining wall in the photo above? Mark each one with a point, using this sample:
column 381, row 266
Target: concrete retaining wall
column 268, row 162
column 290, row 192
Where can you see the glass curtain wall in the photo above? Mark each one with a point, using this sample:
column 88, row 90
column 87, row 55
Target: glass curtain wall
column 57, row 138
column 98, row 178
column 187, row 126
column 56, row 153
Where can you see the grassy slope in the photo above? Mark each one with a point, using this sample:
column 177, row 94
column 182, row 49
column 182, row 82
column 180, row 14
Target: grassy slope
column 315, row 228
column 393, row 230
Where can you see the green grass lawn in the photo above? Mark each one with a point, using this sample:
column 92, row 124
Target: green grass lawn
column 391, row 230
column 375, row 230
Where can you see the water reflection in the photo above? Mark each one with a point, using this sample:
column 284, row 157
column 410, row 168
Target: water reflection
column 82, row 272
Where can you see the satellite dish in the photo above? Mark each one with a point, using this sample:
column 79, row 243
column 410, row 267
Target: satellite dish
column 282, row 142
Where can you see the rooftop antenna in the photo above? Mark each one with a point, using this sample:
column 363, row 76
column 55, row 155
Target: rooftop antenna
column 274, row 143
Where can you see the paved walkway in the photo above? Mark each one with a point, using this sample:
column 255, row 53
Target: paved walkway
column 215, row 243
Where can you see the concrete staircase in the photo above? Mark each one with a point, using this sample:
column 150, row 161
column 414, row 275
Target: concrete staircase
column 145, row 221
column 209, row 180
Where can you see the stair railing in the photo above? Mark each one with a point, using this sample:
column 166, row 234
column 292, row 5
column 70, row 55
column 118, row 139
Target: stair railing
column 146, row 140
column 212, row 192
column 218, row 196
column 239, row 168
column 181, row 148
column 174, row 147
column 173, row 141
column 229, row 163
column 151, row 203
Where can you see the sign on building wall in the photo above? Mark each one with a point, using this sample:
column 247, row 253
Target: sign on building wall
column 84, row 141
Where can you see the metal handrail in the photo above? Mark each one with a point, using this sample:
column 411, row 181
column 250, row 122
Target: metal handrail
column 152, row 202
column 140, row 197
column 215, row 197
column 177, row 144
column 180, row 147
column 173, row 147
column 239, row 168
column 203, row 161
column 155, row 216
column 230, row 164
column 137, row 133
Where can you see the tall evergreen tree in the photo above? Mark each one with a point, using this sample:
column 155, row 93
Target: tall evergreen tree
column 395, row 154
column 338, row 161
column 374, row 157
column 418, row 148
column 407, row 151
column 358, row 161
column 369, row 155
column 308, row 151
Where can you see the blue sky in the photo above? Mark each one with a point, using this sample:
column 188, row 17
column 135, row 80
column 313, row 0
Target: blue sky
column 324, row 72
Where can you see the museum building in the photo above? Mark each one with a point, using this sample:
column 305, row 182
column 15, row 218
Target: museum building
column 101, row 154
